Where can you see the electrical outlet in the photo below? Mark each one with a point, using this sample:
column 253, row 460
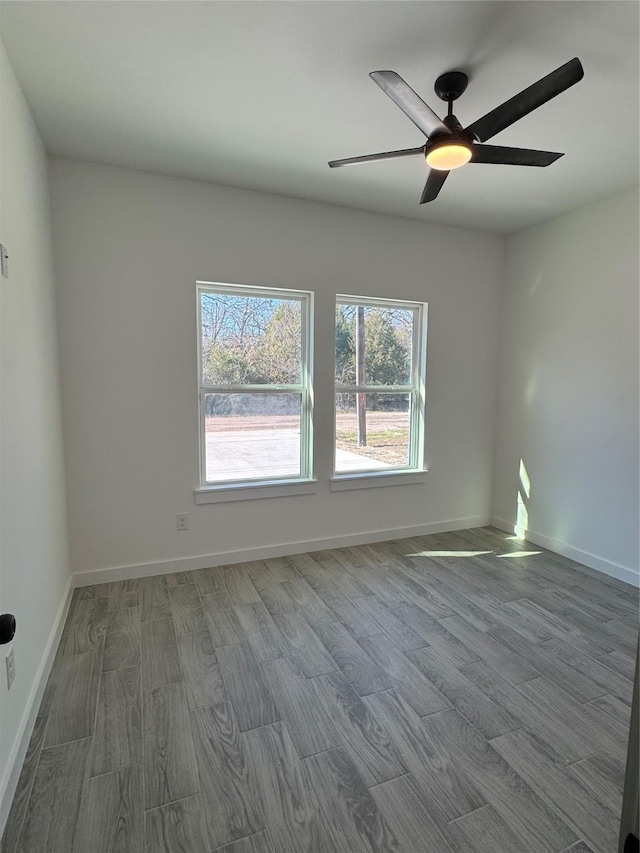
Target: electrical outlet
column 183, row 521
column 11, row 669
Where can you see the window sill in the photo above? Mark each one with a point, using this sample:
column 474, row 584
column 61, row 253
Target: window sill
column 254, row 491
column 346, row 482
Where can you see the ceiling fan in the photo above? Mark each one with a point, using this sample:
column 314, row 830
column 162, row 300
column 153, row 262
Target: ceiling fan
column 449, row 145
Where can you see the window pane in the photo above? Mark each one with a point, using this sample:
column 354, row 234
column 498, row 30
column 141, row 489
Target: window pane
column 252, row 436
column 383, row 441
column 250, row 340
column 387, row 344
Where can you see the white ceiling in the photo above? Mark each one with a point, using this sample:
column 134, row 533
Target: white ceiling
column 262, row 94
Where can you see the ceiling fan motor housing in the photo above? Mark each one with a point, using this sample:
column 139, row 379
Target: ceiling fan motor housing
column 451, row 85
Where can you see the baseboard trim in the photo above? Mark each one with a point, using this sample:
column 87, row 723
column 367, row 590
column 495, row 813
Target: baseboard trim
column 11, row 774
column 165, row 567
column 592, row 561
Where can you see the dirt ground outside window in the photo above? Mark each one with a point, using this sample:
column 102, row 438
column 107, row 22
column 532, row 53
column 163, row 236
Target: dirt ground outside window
column 387, row 432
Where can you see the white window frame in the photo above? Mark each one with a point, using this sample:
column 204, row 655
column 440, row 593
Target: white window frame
column 416, row 389
column 213, row 491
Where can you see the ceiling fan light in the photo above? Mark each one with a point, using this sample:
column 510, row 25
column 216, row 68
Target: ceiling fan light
column 448, row 155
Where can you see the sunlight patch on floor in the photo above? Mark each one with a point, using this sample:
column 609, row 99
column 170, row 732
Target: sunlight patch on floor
column 521, row 553
column 448, row 553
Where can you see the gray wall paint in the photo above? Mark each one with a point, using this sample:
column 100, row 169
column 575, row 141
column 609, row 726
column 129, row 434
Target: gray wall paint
column 129, row 248
column 568, row 386
column 34, row 565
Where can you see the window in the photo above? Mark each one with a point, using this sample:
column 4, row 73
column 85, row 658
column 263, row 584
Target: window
column 379, row 385
column 255, row 385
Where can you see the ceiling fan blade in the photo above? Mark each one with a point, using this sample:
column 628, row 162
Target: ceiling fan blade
column 433, row 186
column 411, row 104
column 372, row 158
column 513, row 156
column 528, row 100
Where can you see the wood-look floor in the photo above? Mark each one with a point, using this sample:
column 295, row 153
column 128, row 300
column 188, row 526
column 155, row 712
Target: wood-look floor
column 456, row 692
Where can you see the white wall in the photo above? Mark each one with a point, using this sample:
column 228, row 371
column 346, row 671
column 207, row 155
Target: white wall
column 129, row 248
column 568, row 386
column 34, row 564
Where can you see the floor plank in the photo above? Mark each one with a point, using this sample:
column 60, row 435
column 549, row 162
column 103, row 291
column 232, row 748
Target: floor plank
column 96, row 590
column 347, row 612
column 124, row 594
column 15, row 820
column 424, row 590
column 221, row 619
column 233, row 810
column 258, row 843
column 155, row 598
column 595, row 823
column 612, row 707
column 293, row 817
column 73, row 710
column 274, row 596
column 419, row 692
column 448, row 789
column 178, row 578
column 122, row 639
column 85, row 631
column 310, row 728
column 619, row 662
column 160, row 661
column 487, row 717
column 303, row 642
column 247, row 686
column 360, row 733
column 538, row 826
column 436, row 635
column 170, row 771
column 200, row 669
column 597, row 731
column 281, row 569
column 407, row 812
column 604, row 777
column 308, row 602
column 543, row 622
column 49, row 693
column 117, row 741
column 209, row 581
column 239, row 586
column 112, row 813
column 452, row 591
column 186, row 610
column 51, row 821
column 593, row 669
column 589, row 627
column 483, row 831
column 312, row 572
column 550, row 665
column 398, row 631
column 177, row 827
column 512, row 669
column 567, row 738
column 352, row 659
column 260, row 631
column 355, row 819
